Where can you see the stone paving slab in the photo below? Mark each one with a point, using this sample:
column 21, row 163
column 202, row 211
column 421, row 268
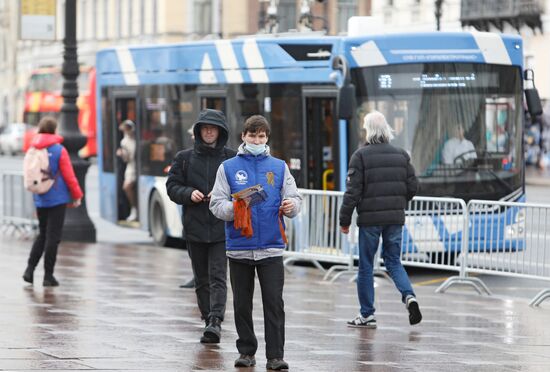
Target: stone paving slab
column 119, row 308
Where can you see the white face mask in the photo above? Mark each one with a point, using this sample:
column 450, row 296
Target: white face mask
column 255, row 149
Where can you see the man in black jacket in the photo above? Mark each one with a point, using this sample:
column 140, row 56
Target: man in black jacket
column 380, row 182
column 190, row 183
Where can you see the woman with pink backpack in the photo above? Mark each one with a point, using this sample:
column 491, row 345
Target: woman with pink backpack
column 50, row 200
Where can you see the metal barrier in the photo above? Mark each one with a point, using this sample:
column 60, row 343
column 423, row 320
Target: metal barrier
column 506, row 239
column 314, row 234
column 18, row 210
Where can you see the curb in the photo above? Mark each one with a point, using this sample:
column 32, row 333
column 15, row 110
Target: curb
column 537, row 181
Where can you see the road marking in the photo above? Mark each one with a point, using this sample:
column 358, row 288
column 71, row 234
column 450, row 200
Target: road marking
column 438, row 280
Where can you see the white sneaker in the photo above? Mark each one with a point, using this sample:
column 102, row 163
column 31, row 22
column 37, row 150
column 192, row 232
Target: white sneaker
column 133, row 215
column 361, row 322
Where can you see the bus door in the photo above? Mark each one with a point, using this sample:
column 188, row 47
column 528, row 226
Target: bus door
column 321, row 138
column 126, row 164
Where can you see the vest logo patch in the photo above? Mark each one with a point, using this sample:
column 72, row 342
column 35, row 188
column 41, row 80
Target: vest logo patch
column 241, row 177
column 270, row 178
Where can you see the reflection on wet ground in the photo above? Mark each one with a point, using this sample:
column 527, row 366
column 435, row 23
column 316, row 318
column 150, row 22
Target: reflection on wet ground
column 119, row 308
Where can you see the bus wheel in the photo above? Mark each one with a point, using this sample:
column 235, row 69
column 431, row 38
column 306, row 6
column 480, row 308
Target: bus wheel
column 157, row 221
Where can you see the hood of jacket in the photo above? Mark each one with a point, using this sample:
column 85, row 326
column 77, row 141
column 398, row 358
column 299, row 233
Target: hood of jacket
column 211, row 117
column 43, row 140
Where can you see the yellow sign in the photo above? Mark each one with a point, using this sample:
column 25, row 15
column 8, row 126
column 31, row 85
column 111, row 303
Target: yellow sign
column 38, row 7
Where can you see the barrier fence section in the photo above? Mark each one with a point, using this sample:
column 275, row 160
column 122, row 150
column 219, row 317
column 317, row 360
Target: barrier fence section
column 18, row 211
column 507, row 239
column 314, row 234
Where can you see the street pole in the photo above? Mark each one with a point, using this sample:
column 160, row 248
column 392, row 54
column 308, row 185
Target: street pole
column 78, row 227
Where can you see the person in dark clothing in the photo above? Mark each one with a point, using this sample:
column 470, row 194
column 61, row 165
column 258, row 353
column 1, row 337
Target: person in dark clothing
column 190, row 181
column 379, row 184
column 51, row 205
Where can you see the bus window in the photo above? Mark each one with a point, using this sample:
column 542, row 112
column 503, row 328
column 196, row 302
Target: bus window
column 161, row 130
column 287, row 130
column 320, row 143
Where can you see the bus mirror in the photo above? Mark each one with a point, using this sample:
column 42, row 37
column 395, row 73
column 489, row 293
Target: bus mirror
column 346, row 102
column 532, row 98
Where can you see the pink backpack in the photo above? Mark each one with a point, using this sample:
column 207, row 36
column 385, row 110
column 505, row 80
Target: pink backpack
column 37, row 175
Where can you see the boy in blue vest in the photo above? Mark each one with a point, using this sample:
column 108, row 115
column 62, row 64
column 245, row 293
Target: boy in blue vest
column 260, row 247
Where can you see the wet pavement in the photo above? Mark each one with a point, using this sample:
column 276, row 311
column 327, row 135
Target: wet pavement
column 119, row 308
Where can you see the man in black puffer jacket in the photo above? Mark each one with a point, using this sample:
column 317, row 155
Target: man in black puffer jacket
column 380, row 182
column 190, row 181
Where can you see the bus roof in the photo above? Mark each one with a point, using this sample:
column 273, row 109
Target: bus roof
column 299, row 59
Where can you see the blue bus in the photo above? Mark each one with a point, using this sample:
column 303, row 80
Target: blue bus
column 315, row 92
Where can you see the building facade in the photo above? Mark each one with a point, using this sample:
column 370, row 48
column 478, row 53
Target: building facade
column 106, row 23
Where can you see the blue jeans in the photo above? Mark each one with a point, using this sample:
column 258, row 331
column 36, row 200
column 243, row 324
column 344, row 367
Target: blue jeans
column 369, row 237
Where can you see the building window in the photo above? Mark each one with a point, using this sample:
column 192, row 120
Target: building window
column 142, row 17
column 203, row 16
column 155, row 6
column 130, row 16
column 119, row 23
column 287, row 15
column 94, row 33
column 83, row 19
column 106, row 19
column 346, row 10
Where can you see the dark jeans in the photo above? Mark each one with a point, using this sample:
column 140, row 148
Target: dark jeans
column 210, row 271
column 272, row 277
column 50, row 225
column 369, row 238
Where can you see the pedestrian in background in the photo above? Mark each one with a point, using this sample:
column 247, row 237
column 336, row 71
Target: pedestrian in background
column 190, row 181
column 255, row 237
column 51, row 205
column 379, row 184
column 127, row 152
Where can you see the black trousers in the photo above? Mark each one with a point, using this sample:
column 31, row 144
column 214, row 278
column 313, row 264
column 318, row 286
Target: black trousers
column 272, row 277
column 209, row 264
column 50, row 225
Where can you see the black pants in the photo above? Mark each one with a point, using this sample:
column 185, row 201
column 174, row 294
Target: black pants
column 272, row 277
column 209, row 264
column 50, row 225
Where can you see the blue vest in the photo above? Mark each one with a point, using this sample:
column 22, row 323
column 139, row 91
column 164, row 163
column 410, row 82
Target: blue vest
column 244, row 171
column 59, row 192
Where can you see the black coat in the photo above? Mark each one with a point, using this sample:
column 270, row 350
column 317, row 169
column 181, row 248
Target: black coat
column 195, row 169
column 380, row 182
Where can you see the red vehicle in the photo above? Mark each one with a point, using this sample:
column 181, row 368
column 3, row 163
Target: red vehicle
column 43, row 97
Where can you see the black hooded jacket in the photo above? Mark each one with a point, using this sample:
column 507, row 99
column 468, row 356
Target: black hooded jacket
column 380, row 182
column 195, row 169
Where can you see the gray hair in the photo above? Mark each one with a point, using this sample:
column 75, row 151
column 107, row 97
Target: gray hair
column 378, row 129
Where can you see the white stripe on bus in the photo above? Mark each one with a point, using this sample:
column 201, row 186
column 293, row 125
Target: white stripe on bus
column 254, row 62
column 127, row 66
column 368, row 54
column 228, row 61
column 492, row 47
column 207, row 75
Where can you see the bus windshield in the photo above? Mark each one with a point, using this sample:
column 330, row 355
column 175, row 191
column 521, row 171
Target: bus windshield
column 460, row 123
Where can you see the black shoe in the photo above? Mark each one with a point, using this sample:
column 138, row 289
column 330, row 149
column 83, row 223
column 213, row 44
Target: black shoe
column 213, row 330
column 245, row 361
column 50, row 281
column 189, row 284
column 277, row 364
column 28, row 276
column 415, row 316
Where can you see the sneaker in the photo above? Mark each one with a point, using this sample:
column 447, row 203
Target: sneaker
column 213, row 331
column 415, row 316
column 245, row 361
column 50, row 281
column 360, row 322
column 28, row 276
column 133, row 215
column 277, row 364
column 189, row 284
